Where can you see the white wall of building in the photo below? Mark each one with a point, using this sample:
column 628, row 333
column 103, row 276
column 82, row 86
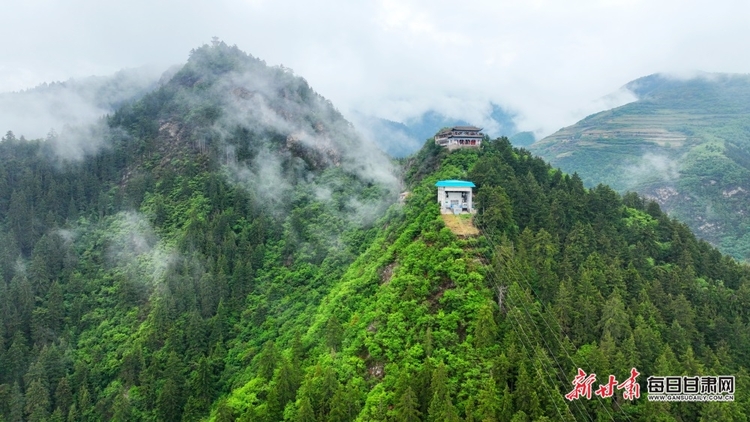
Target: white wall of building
column 448, row 196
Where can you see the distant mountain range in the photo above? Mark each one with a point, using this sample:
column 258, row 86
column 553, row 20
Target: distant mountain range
column 684, row 143
column 400, row 139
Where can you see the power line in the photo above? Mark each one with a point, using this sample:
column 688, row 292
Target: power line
column 519, row 276
column 528, row 339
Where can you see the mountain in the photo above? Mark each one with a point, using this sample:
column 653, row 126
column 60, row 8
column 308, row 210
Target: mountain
column 127, row 264
column 684, row 143
column 427, row 325
column 401, row 139
column 231, row 250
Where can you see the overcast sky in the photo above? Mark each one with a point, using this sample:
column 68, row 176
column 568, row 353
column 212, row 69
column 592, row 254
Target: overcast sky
column 550, row 61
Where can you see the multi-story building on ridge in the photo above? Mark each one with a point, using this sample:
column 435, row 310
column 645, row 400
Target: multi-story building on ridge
column 459, row 137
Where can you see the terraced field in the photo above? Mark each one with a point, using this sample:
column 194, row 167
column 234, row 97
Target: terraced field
column 684, row 143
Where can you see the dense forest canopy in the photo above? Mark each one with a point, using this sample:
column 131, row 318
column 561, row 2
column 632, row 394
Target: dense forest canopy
column 227, row 253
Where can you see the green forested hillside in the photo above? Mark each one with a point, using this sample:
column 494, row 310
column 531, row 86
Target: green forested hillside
column 230, row 254
column 683, row 143
column 126, row 273
column 413, row 330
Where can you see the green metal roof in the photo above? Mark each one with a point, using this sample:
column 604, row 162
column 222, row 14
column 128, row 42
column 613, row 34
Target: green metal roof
column 455, row 184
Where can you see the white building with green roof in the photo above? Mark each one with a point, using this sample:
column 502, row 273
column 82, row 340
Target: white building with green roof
column 455, row 196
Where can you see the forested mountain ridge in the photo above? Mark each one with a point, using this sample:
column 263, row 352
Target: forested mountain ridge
column 127, row 266
column 226, row 253
column 683, row 143
column 413, row 330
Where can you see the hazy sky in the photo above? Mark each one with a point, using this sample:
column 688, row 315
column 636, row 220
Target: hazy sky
column 550, row 61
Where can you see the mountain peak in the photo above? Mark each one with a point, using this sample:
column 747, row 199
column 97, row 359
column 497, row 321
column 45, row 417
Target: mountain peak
column 236, row 107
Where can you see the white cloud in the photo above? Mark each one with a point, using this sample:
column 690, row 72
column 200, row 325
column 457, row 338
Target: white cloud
column 134, row 247
column 68, row 108
column 649, row 168
column 548, row 60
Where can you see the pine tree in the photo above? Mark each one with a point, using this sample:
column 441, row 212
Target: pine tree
column 224, row 412
column 55, row 310
column 667, row 363
column 495, row 211
column 327, row 386
column 469, row 411
column 202, row 381
column 488, row 405
column 132, row 364
column 520, row 416
column 427, row 343
column 297, row 354
column 273, row 403
column 84, row 403
column 73, row 414
column 525, row 395
column 35, row 372
column 37, row 402
column 195, row 409
column 169, row 403
column 450, row 414
column 305, row 412
column 121, row 408
column 648, row 344
column 729, row 412
column 542, row 258
column 587, row 310
column 16, row 357
column 565, row 306
column 441, row 406
column 20, row 220
column 16, row 405
column 334, row 333
column 267, row 360
column 422, row 386
column 287, row 381
column 381, row 410
column 579, row 244
column 614, row 319
column 339, row 407
column 485, row 329
column 57, row 416
column 406, row 409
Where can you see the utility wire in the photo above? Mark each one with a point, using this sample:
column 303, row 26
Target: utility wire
column 511, row 313
column 520, row 276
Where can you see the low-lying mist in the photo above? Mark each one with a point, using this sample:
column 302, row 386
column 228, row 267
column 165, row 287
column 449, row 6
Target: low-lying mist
column 51, row 107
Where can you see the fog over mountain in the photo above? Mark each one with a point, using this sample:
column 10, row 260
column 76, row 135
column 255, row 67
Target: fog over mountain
column 224, row 246
column 544, row 61
column 58, row 106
